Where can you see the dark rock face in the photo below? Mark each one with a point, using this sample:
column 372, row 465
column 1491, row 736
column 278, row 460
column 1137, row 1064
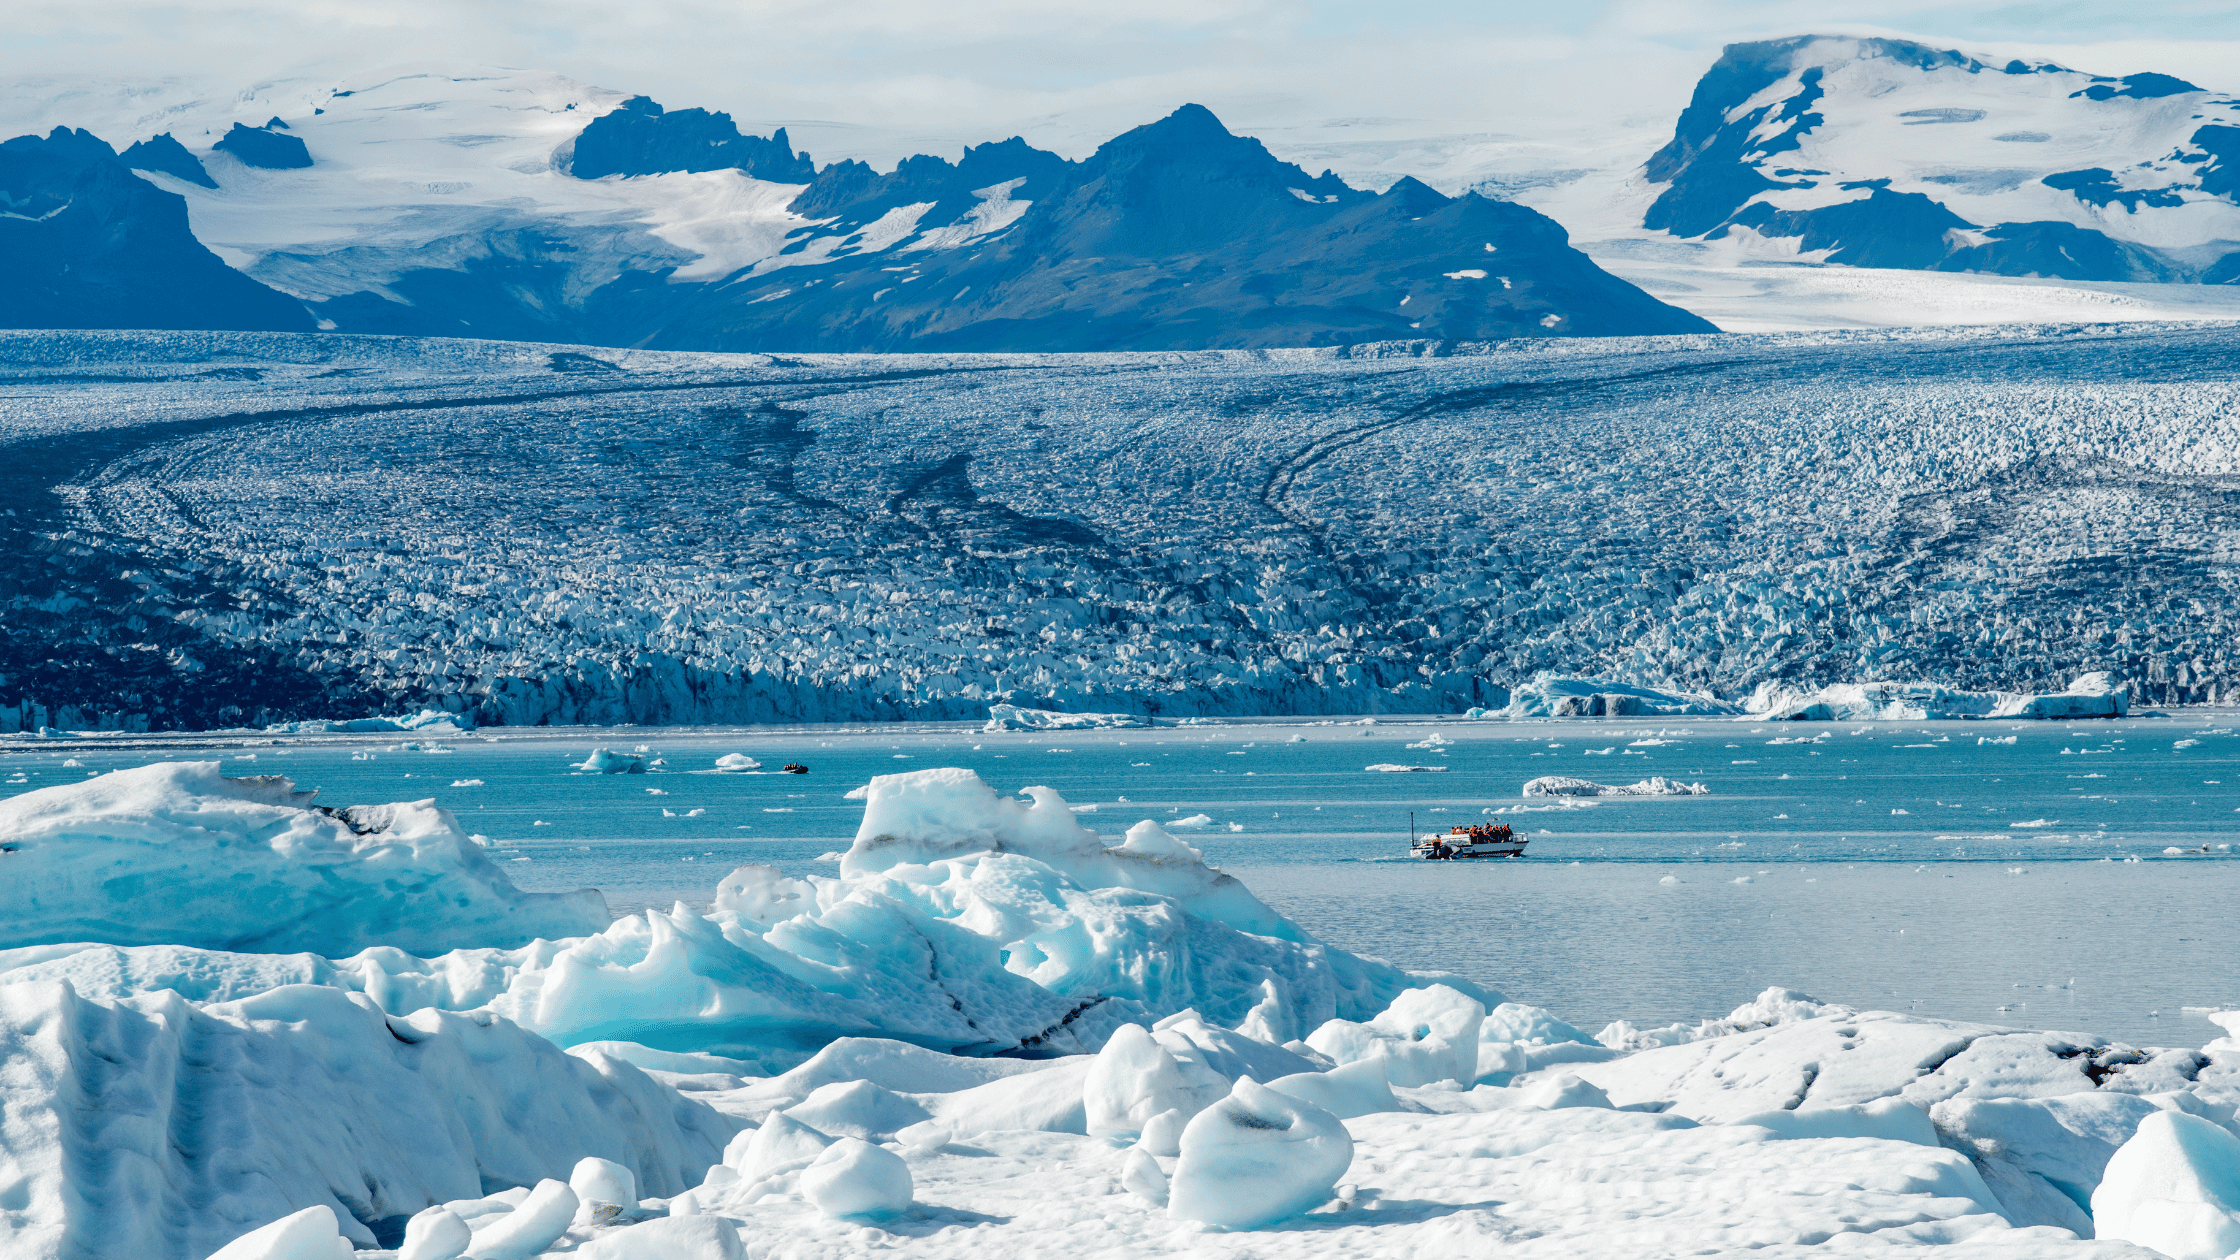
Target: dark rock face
column 162, row 153
column 640, row 138
column 855, row 196
column 265, row 148
column 2141, row 87
column 1729, row 163
column 1177, row 235
column 85, row 243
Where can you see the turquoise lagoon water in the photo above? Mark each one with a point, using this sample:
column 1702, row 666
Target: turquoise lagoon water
column 2058, row 875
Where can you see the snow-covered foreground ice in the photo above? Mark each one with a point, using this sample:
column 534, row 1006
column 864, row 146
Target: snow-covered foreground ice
column 1222, row 1084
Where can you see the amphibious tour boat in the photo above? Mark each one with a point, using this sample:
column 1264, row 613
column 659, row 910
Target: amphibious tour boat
column 1484, row 840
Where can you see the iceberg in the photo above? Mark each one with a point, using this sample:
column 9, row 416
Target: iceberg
column 607, row 761
column 961, row 921
column 301, row 1097
column 2089, row 695
column 251, row 864
column 1010, row 717
column 1655, row 785
column 431, row 721
column 1555, row 696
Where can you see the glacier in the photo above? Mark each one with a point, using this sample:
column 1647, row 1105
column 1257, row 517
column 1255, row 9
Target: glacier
column 348, row 527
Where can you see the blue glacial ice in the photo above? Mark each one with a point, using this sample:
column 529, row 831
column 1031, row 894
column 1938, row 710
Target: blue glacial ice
column 177, row 854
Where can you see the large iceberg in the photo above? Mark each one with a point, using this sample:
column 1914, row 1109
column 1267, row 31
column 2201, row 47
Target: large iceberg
column 1010, row 717
column 961, row 921
column 1554, row 696
column 432, row 721
column 176, row 853
column 2089, row 696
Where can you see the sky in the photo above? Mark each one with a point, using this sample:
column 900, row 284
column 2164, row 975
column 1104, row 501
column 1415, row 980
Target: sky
column 883, row 78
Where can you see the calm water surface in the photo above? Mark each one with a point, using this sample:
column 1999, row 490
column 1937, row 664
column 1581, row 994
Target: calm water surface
column 2012, row 873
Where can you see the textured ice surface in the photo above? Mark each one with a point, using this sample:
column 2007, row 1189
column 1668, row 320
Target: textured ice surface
column 237, row 1113
column 730, row 538
column 961, row 921
column 179, row 854
column 2175, row 1187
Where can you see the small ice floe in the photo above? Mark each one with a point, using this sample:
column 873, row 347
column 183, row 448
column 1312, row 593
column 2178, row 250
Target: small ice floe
column 657, row 792
column 1563, row 785
column 781, row 809
column 2186, row 743
column 607, row 761
column 1236, row 826
column 1669, row 879
column 1744, row 879
column 2036, row 823
column 1993, row 739
column 1600, row 752
column 466, row 783
column 1194, row 820
column 1436, row 741
column 540, row 823
column 1896, row 812
column 1296, row 739
column 736, row 763
column 1743, row 763
column 1083, row 809
column 1387, row 767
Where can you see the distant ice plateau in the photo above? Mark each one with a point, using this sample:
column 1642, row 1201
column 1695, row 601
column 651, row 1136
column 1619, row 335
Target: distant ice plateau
column 223, row 529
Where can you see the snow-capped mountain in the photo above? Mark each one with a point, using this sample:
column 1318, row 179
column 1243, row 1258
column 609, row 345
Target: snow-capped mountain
column 1886, row 153
column 527, row 205
column 84, row 243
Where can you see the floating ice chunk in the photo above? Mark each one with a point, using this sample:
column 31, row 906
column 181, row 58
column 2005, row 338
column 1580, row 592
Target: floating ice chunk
column 1388, row 767
column 1517, row 1022
column 781, row 1145
column 1141, row 1176
column 598, row 1180
column 1892, row 1119
column 1425, row 1036
column 1257, row 1157
column 1010, row 717
column 1194, row 820
column 680, row 1236
column 529, row 1228
column 312, row 1234
column 737, row 763
column 1565, row 785
column 2037, row 822
column 435, row 1233
column 857, row 1109
column 1162, row 1135
column 607, row 761
column 1566, row 1090
column 1135, row 1078
column 249, row 864
column 2174, row 1187
column 854, row 1180
column 1348, row 1090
